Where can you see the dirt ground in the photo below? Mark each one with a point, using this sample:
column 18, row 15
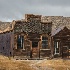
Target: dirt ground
column 53, row 64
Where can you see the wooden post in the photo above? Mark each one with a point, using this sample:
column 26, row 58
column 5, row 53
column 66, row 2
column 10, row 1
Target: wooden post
column 39, row 48
column 31, row 49
column 62, row 49
column 52, row 46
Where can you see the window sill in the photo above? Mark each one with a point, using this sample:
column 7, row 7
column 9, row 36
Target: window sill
column 23, row 49
column 56, row 53
column 44, row 49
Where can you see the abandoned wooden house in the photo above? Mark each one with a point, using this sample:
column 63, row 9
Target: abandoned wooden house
column 61, row 42
column 35, row 39
column 32, row 38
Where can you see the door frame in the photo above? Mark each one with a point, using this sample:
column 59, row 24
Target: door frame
column 31, row 52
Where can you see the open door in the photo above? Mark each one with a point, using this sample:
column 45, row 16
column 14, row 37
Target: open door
column 35, row 50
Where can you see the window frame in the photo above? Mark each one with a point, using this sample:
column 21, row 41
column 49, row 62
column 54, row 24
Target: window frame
column 56, row 46
column 22, row 42
column 46, row 40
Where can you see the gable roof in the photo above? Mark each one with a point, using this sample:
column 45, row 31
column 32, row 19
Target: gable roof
column 54, row 32
column 62, row 30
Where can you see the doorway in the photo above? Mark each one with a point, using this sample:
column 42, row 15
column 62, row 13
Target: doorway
column 35, row 50
column 34, row 44
column 64, row 51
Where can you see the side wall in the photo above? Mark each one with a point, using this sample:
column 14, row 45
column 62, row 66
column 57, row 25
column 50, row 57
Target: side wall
column 6, row 43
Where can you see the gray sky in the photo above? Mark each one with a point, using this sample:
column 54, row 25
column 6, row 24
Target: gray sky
column 16, row 9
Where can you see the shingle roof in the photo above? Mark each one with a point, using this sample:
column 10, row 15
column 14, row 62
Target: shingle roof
column 54, row 32
column 5, row 26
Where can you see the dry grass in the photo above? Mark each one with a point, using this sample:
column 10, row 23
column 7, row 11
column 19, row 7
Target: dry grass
column 58, row 64
column 6, row 64
column 54, row 64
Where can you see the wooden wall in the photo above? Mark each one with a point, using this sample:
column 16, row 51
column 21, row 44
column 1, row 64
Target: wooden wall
column 7, row 43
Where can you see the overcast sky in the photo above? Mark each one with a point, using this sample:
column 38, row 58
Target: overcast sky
column 16, row 9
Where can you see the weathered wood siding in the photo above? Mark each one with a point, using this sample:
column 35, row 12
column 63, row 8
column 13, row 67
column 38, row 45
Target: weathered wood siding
column 6, row 43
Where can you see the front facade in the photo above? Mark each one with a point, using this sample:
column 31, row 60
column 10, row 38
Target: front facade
column 61, row 43
column 32, row 37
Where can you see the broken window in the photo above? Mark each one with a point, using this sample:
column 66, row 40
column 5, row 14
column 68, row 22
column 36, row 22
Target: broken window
column 56, row 45
column 44, row 42
column 20, row 42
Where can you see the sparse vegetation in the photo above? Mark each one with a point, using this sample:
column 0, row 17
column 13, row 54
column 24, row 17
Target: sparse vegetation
column 6, row 64
column 54, row 64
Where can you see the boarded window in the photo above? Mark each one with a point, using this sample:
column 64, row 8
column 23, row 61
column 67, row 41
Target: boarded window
column 44, row 42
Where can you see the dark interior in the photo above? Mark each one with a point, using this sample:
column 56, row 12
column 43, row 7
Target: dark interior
column 19, row 43
column 34, row 44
